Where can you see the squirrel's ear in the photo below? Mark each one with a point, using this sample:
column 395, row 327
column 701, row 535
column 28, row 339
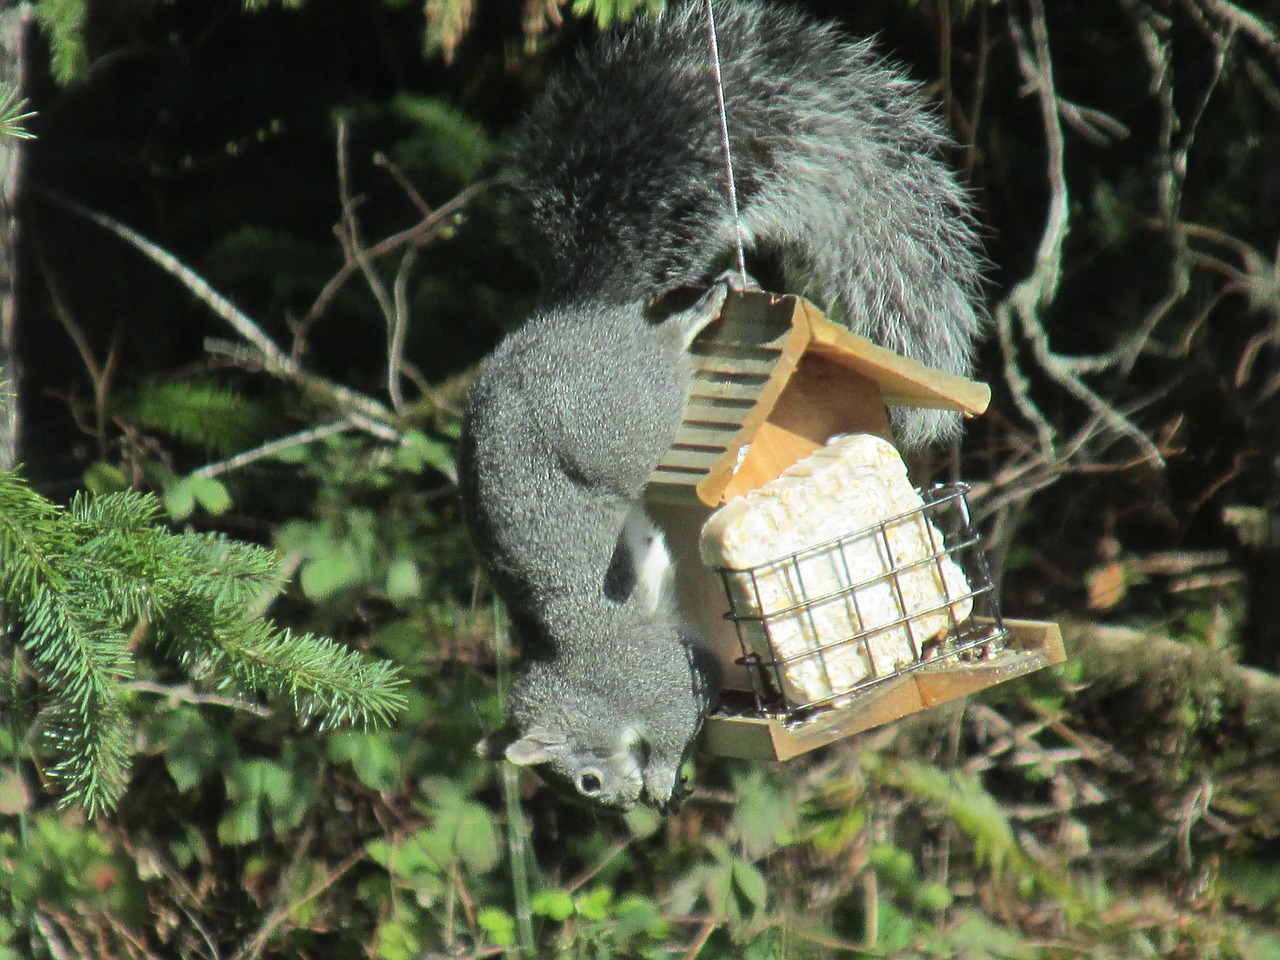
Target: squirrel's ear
column 507, row 742
column 537, row 747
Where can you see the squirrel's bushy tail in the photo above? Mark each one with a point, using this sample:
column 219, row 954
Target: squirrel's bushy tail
column 621, row 175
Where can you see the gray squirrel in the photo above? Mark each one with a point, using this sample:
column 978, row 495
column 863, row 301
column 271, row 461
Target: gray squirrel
column 619, row 186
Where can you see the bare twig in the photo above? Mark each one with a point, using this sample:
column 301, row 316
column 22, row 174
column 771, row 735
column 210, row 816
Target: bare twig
column 353, row 247
column 273, row 447
column 100, row 374
column 362, row 411
column 1247, row 23
column 219, row 304
column 405, row 184
column 399, row 328
column 419, row 234
column 278, row 917
column 267, row 355
column 185, row 693
column 1019, row 314
column 700, row 941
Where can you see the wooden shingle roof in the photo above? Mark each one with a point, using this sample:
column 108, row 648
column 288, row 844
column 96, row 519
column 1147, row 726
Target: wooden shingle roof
column 748, row 358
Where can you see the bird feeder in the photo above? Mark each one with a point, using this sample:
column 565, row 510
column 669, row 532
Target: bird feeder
column 816, row 645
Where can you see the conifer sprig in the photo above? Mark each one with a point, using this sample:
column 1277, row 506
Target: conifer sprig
column 80, row 582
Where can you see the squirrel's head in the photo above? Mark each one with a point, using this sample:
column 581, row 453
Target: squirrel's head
column 606, row 774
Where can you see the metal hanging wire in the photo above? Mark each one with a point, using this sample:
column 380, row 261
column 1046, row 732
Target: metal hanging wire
column 730, row 181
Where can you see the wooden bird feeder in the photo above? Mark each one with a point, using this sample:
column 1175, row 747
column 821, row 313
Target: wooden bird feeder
column 774, row 382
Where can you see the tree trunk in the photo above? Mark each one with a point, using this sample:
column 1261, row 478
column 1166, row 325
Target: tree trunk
column 15, row 21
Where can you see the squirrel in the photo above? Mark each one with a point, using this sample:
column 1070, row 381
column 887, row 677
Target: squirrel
column 618, row 181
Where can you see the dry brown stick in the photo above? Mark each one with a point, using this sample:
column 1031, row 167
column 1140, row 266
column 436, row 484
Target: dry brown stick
column 277, row 918
column 418, row 234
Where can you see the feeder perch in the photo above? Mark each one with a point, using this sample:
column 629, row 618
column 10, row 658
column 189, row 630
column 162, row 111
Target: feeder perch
column 815, row 644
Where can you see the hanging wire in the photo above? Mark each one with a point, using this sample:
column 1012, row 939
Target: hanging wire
column 730, row 180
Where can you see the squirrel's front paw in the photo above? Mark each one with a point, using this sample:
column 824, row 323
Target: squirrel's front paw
column 739, row 282
column 660, row 786
column 666, row 786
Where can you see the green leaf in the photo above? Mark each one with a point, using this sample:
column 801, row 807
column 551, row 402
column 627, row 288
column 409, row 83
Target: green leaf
column 242, row 825
column 835, row 832
column 893, row 865
column 765, row 816
column 263, row 790
column 976, row 936
column 554, row 904
column 395, row 941
column 193, row 749
column 211, row 494
column 464, row 830
column 417, row 450
column 637, row 915
column 180, row 499
column 643, row 822
column 933, row 898
column 498, row 925
column 103, row 478
column 595, row 905
column 1265, row 947
column 403, row 581
column 323, row 576
column 372, row 757
column 716, row 886
column 750, row 882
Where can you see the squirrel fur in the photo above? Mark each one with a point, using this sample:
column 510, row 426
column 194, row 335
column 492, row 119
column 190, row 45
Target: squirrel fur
column 619, row 187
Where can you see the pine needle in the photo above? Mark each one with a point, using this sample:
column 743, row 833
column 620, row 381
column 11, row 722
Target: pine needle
column 80, row 582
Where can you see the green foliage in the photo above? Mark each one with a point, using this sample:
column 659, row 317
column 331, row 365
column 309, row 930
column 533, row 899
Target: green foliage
column 63, row 23
column 253, row 6
column 1046, row 821
column 607, row 12
column 974, row 810
column 13, row 111
column 447, row 22
column 267, row 797
column 434, row 124
column 202, row 413
column 183, row 494
column 82, row 584
column 404, row 555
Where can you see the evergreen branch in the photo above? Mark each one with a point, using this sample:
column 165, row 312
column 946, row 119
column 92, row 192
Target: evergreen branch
column 68, row 623
column 201, row 413
column 318, row 676
column 77, row 657
column 13, row 112
column 29, row 537
column 81, row 582
column 95, row 752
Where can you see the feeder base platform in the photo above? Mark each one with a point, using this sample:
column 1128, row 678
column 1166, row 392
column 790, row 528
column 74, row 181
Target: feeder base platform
column 1031, row 644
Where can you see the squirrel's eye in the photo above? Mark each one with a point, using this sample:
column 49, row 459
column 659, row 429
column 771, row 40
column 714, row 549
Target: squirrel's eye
column 589, row 783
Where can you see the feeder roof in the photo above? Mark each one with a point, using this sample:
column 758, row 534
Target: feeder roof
column 745, row 360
